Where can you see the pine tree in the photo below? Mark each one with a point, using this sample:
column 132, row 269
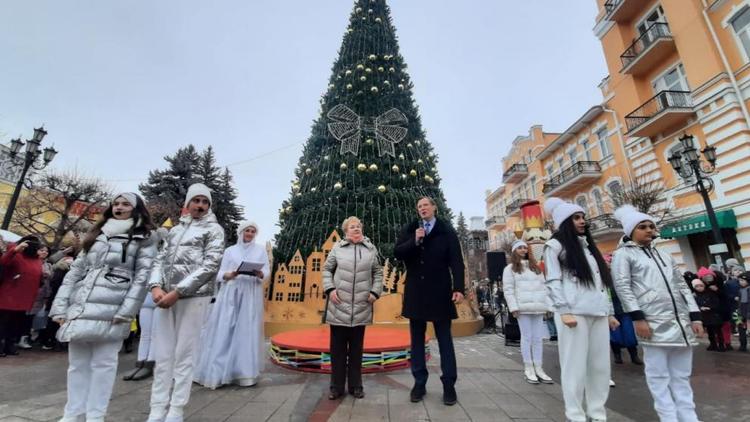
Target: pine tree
column 463, row 232
column 367, row 155
column 165, row 190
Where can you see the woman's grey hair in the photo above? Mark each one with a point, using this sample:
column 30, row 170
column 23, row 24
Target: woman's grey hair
column 350, row 220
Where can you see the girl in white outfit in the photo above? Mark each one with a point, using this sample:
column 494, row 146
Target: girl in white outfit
column 578, row 280
column 98, row 299
column 526, row 295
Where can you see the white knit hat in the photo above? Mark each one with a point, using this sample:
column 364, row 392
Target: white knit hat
column 131, row 197
column 630, row 217
column 198, row 189
column 560, row 210
column 517, row 244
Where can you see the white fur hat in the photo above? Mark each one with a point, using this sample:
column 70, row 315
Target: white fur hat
column 630, row 217
column 560, row 210
column 198, row 189
column 517, row 244
column 131, row 197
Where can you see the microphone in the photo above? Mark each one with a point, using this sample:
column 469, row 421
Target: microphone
column 421, row 226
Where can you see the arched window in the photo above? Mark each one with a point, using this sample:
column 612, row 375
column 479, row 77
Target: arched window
column 583, row 203
column 598, row 202
column 614, row 187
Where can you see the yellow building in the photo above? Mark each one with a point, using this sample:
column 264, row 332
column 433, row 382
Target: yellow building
column 680, row 67
column 675, row 67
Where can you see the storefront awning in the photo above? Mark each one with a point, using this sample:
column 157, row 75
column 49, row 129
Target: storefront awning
column 699, row 224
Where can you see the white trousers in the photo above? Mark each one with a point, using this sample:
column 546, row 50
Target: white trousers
column 668, row 371
column 147, row 322
column 92, row 368
column 175, row 338
column 532, row 331
column 584, row 367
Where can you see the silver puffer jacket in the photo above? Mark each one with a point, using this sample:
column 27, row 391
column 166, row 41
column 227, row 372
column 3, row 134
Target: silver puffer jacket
column 190, row 259
column 101, row 287
column 651, row 287
column 354, row 270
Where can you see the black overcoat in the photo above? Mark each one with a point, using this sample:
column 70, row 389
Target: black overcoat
column 434, row 270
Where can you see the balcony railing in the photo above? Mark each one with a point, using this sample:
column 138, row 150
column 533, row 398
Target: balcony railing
column 571, row 176
column 515, row 173
column 623, row 10
column 648, row 50
column 660, row 112
column 604, row 225
column 494, row 221
column 515, row 206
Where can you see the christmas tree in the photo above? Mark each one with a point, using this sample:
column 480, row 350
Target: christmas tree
column 367, row 155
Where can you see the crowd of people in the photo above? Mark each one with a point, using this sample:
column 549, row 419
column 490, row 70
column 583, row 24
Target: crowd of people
column 127, row 270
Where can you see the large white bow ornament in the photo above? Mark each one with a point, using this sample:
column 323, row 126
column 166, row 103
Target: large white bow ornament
column 346, row 126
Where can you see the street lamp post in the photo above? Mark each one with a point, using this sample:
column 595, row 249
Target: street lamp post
column 30, row 159
column 687, row 164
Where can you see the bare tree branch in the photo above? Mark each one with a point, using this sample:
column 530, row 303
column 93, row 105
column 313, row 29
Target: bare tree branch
column 648, row 196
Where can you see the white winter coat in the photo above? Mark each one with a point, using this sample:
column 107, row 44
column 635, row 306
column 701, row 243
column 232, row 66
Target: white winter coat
column 525, row 292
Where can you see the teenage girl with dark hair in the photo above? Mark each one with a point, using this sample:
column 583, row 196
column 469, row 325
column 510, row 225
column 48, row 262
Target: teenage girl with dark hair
column 578, row 281
column 99, row 298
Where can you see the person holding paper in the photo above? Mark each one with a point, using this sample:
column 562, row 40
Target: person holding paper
column 353, row 281
column 232, row 342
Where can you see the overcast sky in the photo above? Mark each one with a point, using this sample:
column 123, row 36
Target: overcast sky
column 118, row 85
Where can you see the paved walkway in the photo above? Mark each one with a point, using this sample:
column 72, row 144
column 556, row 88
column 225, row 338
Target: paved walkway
column 490, row 388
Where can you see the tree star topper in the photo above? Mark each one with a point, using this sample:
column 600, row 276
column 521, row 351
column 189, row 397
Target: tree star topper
column 346, row 126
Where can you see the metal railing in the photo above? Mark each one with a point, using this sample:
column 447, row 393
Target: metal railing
column 603, row 222
column 494, row 220
column 662, row 101
column 515, row 205
column 577, row 168
column 655, row 32
column 611, row 5
column 518, row 167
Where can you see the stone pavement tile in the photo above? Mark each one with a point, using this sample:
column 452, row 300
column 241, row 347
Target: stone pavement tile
column 436, row 410
column 374, row 395
column 277, row 393
column 487, row 383
column 201, row 397
column 515, row 406
column 515, row 381
column 343, row 412
column 549, row 405
column 287, row 411
column 44, row 413
column 253, row 411
column 488, row 414
column 369, row 412
column 13, row 418
column 221, row 408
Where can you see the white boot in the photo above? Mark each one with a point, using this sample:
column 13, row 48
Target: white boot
column 530, row 374
column 542, row 376
column 24, row 343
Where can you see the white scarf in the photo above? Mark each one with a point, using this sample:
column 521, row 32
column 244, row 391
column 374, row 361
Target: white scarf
column 113, row 227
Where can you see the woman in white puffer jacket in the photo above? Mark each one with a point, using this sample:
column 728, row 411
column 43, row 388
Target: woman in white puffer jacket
column 526, row 295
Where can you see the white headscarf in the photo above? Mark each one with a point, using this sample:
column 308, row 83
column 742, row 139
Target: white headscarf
column 241, row 232
column 243, row 251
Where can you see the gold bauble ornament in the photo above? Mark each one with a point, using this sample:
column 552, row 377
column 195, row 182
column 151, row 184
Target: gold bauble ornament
column 343, row 166
column 381, row 189
column 362, row 78
column 369, row 141
column 395, row 168
column 413, row 173
column 298, row 194
column 325, row 157
column 427, row 178
column 374, row 90
column 418, row 142
column 420, row 161
column 381, row 69
column 348, row 72
column 288, row 209
column 387, row 83
column 295, row 188
column 359, row 10
column 378, row 20
column 373, row 167
column 372, row 57
column 331, row 86
column 368, row 70
column 370, row 11
column 360, row 67
column 410, row 145
column 350, row 30
column 403, row 176
column 338, row 186
column 308, row 172
column 400, row 86
column 401, row 156
column 392, row 69
column 313, row 189
column 361, row 167
column 349, row 86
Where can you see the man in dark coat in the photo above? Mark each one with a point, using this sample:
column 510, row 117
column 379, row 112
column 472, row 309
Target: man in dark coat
column 434, row 285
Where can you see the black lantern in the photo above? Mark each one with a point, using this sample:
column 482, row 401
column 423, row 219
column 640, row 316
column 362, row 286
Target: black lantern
column 687, row 141
column 49, row 154
column 39, row 134
column 15, row 146
column 676, row 161
column 710, row 154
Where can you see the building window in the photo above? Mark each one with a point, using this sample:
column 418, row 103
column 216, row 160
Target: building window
column 583, row 203
column 533, row 187
column 586, row 150
column 672, row 80
column 572, row 155
column 549, row 170
column 614, row 187
column 657, row 15
column 316, row 264
column 560, row 163
column 279, row 296
column 604, row 144
column 741, row 25
column 598, row 203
